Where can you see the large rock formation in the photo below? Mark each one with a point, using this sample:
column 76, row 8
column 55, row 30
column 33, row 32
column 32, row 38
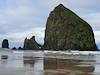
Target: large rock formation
column 65, row 30
column 30, row 44
column 5, row 43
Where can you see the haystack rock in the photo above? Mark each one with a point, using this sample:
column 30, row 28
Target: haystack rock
column 30, row 44
column 65, row 30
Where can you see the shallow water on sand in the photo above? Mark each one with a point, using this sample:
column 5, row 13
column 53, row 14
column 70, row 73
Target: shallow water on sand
column 49, row 63
column 62, row 64
column 54, row 66
column 21, row 63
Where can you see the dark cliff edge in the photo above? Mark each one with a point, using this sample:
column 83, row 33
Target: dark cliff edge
column 65, row 30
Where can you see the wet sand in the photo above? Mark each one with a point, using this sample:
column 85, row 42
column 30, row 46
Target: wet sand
column 53, row 66
column 56, row 66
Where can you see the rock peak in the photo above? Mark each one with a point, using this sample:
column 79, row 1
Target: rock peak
column 33, row 37
column 60, row 6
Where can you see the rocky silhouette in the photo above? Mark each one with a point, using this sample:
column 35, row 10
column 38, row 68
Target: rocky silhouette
column 14, row 48
column 30, row 44
column 20, row 48
column 5, row 43
column 66, row 30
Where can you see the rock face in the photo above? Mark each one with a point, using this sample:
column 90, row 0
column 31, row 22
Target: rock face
column 30, row 44
column 5, row 43
column 65, row 30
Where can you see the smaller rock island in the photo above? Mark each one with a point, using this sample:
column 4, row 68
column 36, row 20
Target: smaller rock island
column 31, row 44
column 5, row 43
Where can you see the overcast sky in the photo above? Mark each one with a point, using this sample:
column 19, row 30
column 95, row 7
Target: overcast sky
column 25, row 18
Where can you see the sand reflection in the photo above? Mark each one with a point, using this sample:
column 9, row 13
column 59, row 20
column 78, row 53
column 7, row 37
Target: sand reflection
column 53, row 66
column 29, row 63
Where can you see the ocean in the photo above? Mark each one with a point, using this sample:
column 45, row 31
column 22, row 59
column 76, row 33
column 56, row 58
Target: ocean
column 49, row 62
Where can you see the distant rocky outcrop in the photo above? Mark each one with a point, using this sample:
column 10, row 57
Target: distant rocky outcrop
column 5, row 43
column 14, row 48
column 65, row 30
column 30, row 44
column 20, row 48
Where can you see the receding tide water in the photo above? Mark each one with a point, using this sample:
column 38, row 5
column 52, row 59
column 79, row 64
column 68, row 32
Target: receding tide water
column 49, row 63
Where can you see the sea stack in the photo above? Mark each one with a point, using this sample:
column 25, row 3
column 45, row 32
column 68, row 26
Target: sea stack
column 5, row 43
column 65, row 30
column 30, row 44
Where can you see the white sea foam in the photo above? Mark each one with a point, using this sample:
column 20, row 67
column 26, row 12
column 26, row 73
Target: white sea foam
column 73, row 52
